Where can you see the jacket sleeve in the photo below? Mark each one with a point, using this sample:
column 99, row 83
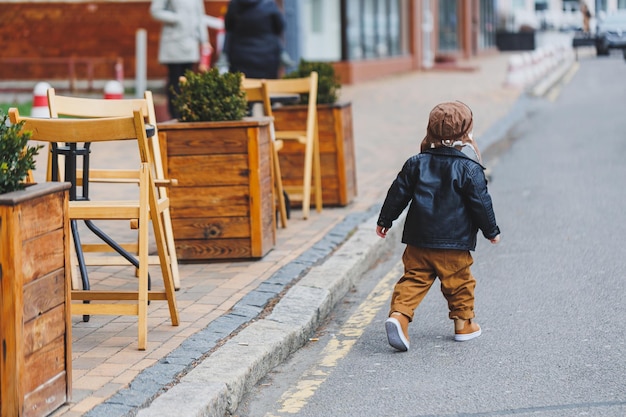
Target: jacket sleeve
column 278, row 22
column 203, row 30
column 480, row 204
column 160, row 12
column 398, row 195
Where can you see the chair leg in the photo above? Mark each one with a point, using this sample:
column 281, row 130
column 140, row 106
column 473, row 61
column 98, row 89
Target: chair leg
column 306, row 186
column 171, row 248
column 280, row 192
column 317, row 172
column 142, row 295
column 162, row 249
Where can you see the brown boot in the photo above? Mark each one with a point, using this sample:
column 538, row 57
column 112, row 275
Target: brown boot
column 397, row 327
column 465, row 330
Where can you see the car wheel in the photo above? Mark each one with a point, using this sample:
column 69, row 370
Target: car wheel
column 601, row 51
column 601, row 48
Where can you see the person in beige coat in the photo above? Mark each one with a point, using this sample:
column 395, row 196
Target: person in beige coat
column 184, row 40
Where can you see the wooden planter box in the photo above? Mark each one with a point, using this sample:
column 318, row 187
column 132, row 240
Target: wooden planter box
column 223, row 206
column 336, row 150
column 35, row 325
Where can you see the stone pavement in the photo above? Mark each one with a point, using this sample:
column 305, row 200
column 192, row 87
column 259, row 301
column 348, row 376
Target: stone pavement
column 227, row 339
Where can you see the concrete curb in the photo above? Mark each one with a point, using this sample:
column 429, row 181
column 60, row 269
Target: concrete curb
column 543, row 86
column 216, row 385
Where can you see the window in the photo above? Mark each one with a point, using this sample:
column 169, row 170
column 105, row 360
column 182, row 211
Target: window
column 448, row 27
column 487, row 19
column 374, row 28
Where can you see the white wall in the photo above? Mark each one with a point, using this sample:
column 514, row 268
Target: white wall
column 321, row 30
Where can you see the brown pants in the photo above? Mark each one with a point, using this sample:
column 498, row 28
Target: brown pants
column 421, row 267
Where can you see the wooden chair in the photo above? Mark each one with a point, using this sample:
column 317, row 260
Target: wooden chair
column 307, row 135
column 256, row 92
column 146, row 208
column 78, row 107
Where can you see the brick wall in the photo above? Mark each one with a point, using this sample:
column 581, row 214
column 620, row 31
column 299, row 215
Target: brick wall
column 85, row 29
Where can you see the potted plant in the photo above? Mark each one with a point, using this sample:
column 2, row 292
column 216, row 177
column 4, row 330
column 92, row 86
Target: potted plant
column 336, row 139
column 223, row 205
column 35, row 326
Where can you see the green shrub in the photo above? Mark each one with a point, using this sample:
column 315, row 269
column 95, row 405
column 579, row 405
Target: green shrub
column 328, row 85
column 210, row 97
column 16, row 158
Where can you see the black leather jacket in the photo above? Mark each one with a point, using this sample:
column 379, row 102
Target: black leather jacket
column 449, row 201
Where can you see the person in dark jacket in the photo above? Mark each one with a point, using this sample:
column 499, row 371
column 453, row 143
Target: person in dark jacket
column 253, row 44
column 449, row 202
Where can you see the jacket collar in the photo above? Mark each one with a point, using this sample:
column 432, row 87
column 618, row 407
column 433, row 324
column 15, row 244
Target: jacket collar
column 444, row 150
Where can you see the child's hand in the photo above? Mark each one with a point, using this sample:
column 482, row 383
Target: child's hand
column 382, row 231
column 495, row 239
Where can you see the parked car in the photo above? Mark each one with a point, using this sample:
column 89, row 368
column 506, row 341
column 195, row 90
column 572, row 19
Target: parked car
column 611, row 33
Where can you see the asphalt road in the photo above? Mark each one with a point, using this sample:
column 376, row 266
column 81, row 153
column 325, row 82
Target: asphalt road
column 550, row 296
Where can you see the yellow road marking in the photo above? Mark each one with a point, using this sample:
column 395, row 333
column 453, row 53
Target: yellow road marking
column 339, row 346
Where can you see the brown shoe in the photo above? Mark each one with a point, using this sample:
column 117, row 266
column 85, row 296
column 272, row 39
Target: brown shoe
column 397, row 327
column 468, row 331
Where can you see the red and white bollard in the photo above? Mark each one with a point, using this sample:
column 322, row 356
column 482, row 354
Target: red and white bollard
column 113, row 90
column 40, row 101
column 516, row 76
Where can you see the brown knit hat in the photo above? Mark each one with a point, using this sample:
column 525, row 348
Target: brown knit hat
column 450, row 124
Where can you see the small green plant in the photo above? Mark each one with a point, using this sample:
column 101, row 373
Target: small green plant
column 16, row 158
column 211, row 97
column 328, row 84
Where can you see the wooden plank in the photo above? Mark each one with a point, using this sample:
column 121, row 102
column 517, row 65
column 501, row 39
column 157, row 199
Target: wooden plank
column 41, row 215
column 67, row 244
column 79, row 295
column 209, row 170
column 255, row 194
column 268, row 225
column 197, row 142
column 105, row 309
column 346, row 162
column 42, row 330
column 47, row 397
column 199, row 202
column 44, row 294
column 44, row 364
column 213, row 249
column 42, row 254
column 211, row 228
column 11, row 310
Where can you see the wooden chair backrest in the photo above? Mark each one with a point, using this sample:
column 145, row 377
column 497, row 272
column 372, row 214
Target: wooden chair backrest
column 304, row 85
column 256, row 91
column 131, row 127
column 80, row 107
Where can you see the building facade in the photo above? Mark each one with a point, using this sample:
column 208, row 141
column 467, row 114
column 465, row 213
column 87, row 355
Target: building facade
column 367, row 39
column 364, row 39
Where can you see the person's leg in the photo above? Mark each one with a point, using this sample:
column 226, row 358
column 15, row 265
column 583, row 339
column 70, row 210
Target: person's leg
column 408, row 293
column 174, row 72
column 417, row 279
column 457, row 286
